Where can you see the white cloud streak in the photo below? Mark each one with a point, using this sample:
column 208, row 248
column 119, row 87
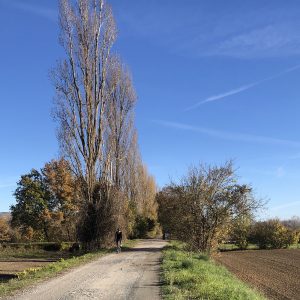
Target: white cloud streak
column 243, row 32
column 231, row 136
column 271, row 39
column 241, row 88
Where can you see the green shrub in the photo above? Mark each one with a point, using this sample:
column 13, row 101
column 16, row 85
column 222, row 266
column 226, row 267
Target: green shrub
column 272, row 234
column 240, row 231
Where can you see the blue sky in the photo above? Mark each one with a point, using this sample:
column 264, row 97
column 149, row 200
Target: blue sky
column 216, row 80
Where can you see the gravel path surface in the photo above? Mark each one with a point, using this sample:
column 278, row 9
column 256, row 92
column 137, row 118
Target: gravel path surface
column 130, row 275
column 276, row 273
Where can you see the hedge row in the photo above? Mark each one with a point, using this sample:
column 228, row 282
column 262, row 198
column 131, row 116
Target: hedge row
column 47, row 246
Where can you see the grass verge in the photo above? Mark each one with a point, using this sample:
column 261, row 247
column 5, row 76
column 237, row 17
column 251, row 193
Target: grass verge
column 32, row 276
column 190, row 275
column 233, row 247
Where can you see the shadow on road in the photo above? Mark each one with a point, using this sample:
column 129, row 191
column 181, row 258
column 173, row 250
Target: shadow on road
column 145, row 249
column 7, row 277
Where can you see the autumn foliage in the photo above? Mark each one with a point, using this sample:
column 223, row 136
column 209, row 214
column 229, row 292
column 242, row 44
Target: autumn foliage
column 272, row 234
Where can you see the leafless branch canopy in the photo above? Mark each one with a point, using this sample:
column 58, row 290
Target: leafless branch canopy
column 87, row 34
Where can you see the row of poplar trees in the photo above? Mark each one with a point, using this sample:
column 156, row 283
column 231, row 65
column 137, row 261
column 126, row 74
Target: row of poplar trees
column 94, row 110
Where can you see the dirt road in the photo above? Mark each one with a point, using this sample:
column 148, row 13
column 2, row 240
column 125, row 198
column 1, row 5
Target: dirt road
column 276, row 273
column 132, row 274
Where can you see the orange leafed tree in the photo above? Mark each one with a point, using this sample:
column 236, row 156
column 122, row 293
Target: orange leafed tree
column 64, row 193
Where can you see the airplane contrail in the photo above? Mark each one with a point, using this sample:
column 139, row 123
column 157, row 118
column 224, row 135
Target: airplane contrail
column 241, row 88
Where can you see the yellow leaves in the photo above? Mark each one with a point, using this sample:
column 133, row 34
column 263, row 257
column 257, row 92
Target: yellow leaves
column 27, row 272
column 57, row 217
column 4, row 229
column 60, row 180
column 28, row 234
column 46, row 214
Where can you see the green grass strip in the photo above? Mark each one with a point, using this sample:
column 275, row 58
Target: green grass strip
column 190, row 275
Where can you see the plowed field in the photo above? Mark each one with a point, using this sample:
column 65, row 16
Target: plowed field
column 276, row 273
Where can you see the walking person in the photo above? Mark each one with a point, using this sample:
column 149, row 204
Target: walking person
column 118, row 239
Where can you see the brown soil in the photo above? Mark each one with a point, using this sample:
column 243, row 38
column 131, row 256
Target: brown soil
column 11, row 267
column 276, row 273
column 13, row 261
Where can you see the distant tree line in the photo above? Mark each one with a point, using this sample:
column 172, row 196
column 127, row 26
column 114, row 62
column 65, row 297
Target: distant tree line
column 269, row 234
